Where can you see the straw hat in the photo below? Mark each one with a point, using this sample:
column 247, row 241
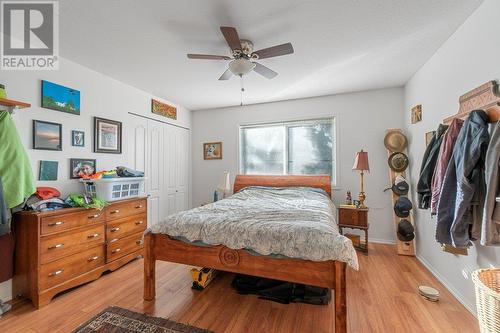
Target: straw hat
column 395, row 141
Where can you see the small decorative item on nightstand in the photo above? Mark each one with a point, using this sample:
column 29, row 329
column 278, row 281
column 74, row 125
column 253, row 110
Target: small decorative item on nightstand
column 355, row 218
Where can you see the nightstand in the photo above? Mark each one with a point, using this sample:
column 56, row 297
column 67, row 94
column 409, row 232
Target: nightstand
column 355, row 218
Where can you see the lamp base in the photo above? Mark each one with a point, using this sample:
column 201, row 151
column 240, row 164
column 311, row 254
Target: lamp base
column 361, row 198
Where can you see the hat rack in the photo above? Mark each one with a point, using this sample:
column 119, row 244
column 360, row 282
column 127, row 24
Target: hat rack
column 402, row 247
column 485, row 97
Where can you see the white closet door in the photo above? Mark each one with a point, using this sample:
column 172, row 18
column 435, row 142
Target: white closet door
column 155, row 170
column 181, row 198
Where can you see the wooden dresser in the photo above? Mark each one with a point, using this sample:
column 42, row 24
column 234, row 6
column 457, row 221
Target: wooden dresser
column 61, row 249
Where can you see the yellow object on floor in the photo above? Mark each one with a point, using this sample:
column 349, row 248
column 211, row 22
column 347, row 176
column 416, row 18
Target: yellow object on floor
column 202, row 277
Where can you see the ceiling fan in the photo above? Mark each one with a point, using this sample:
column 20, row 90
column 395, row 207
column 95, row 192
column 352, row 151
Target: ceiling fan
column 244, row 58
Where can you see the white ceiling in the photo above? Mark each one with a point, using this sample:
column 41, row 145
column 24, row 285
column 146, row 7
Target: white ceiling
column 340, row 45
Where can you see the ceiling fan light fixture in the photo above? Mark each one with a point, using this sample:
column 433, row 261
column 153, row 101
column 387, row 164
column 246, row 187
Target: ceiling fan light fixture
column 241, row 66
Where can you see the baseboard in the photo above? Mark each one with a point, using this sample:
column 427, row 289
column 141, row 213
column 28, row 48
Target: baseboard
column 470, row 307
column 382, row 241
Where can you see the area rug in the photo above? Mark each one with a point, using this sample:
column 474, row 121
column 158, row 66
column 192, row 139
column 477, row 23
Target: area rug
column 118, row 320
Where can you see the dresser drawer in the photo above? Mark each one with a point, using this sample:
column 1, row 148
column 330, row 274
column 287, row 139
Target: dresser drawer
column 118, row 248
column 54, row 224
column 354, row 217
column 57, row 246
column 61, row 270
column 120, row 210
column 126, row 226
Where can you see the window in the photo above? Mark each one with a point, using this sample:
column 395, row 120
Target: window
column 294, row 148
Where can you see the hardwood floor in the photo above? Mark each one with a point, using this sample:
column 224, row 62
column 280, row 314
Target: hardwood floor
column 381, row 297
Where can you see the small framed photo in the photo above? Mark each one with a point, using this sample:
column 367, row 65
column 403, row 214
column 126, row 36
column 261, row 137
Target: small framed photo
column 48, row 170
column 416, row 114
column 78, row 138
column 107, row 136
column 81, row 166
column 46, row 135
column 212, row 151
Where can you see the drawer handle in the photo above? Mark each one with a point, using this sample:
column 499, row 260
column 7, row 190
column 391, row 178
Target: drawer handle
column 56, row 272
column 94, row 216
column 116, row 211
column 139, row 222
column 113, row 240
column 115, row 229
column 56, row 246
column 92, row 236
column 116, row 250
column 138, row 207
column 55, row 224
column 92, row 258
column 139, row 242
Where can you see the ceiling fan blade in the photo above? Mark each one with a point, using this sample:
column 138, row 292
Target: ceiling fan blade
column 226, row 75
column 232, row 38
column 264, row 71
column 208, row 57
column 275, row 51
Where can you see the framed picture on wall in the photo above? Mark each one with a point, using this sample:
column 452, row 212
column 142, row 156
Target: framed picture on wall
column 48, row 170
column 78, row 138
column 212, row 151
column 60, row 98
column 107, row 136
column 428, row 137
column 47, row 135
column 81, row 166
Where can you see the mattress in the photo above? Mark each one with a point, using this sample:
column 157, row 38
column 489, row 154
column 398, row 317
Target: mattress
column 295, row 222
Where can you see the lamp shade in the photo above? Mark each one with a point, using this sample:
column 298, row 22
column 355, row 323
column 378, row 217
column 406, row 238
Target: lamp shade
column 361, row 161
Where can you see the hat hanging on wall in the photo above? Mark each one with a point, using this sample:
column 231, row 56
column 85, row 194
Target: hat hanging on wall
column 395, row 141
column 400, row 186
column 398, row 162
column 406, row 232
column 402, row 207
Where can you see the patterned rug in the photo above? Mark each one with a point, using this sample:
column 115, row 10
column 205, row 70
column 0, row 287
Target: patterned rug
column 118, row 320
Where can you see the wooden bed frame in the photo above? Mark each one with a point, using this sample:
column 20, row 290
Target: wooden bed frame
column 328, row 274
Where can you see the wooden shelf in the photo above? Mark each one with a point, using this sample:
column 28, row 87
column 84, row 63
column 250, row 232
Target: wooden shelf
column 14, row 104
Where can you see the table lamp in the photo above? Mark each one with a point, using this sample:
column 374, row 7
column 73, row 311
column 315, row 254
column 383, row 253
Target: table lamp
column 361, row 164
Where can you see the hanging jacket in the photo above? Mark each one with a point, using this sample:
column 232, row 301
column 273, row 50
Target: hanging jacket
column 490, row 228
column 429, row 160
column 4, row 214
column 445, row 151
column 463, row 182
column 15, row 168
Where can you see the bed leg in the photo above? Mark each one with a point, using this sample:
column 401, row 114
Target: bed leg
column 340, row 298
column 149, row 268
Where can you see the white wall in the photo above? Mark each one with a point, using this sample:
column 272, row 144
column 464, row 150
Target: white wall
column 101, row 96
column 469, row 58
column 361, row 121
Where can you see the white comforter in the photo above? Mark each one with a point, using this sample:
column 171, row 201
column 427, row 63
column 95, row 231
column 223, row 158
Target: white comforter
column 292, row 222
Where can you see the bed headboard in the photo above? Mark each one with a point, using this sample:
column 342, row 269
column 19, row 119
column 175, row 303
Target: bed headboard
column 316, row 181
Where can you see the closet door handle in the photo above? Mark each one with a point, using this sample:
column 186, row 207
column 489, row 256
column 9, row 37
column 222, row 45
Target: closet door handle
column 56, row 272
column 115, row 229
column 55, row 224
column 92, row 258
column 116, row 250
column 53, row 247
column 116, row 211
column 94, row 216
column 139, row 222
column 92, row 236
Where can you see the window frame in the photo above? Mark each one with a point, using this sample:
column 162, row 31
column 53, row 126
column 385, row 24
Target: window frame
column 288, row 123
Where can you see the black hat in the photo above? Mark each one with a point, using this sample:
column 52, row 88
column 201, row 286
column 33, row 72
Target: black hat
column 398, row 162
column 402, row 207
column 400, row 186
column 406, row 232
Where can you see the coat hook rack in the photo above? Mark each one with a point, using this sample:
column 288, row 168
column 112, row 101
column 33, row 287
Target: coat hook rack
column 485, row 97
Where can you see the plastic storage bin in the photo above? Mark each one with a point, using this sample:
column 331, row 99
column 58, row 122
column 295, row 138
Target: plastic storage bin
column 112, row 189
